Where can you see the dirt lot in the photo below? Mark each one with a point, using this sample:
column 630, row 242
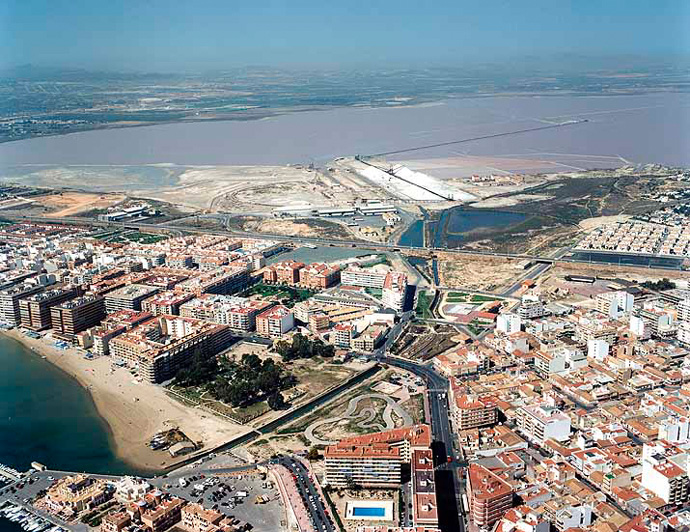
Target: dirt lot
column 306, row 227
column 555, row 286
column 64, row 204
column 612, row 271
column 477, row 273
column 259, row 189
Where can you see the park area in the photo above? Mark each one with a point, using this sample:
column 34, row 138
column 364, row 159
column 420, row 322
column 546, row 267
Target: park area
column 252, row 383
column 476, row 311
column 285, row 295
column 388, row 400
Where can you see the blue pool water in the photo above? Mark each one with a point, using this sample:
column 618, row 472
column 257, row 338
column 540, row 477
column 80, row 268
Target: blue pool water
column 369, row 511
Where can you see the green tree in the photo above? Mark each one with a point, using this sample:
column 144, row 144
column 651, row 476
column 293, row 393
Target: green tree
column 201, row 370
column 276, row 401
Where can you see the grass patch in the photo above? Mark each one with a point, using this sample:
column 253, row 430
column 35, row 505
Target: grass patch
column 476, row 328
column 457, row 294
column 483, row 299
column 252, row 411
column 461, row 297
column 144, row 238
column 424, row 301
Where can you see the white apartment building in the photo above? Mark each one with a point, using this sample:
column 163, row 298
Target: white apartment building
column 531, row 307
column 665, row 472
column 675, row 430
column 394, row 291
column 573, row 517
column 659, row 321
column 597, row 349
column 549, row 362
column 683, row 333
column 543, row 422
column 366, row 277
column 363, row 465
column 684, row 310
column 638, row 328
column 508, row 323
column 615, row 304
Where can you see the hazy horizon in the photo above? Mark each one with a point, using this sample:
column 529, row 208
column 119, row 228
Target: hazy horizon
column 155, row 36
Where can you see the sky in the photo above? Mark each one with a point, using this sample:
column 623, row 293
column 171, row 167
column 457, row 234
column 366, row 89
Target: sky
column 183, row 35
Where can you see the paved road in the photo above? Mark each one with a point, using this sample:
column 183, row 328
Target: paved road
column 438, row 390
column 448, row 489
column 532, row 273
column 310, row 494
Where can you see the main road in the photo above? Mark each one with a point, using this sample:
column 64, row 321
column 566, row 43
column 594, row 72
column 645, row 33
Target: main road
column 449, row 491
column 310, row 495
column 174, row 226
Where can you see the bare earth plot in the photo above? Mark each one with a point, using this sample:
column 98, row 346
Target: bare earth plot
column 65, row 204
column 304, row 227
column 477, row 273
column 322, row 432
column 255, row 189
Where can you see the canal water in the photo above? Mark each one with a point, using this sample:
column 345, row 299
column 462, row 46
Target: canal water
column 9, row 526
column 414, row 235
column 451, row 228
column 623, row 259
column 46, row 416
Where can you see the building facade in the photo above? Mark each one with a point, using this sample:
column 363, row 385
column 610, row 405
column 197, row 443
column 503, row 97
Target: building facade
column 489, row 496
column 34, row 310
column 76, row 315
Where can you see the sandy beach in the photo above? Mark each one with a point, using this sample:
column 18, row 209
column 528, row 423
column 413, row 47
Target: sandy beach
column 134, row 411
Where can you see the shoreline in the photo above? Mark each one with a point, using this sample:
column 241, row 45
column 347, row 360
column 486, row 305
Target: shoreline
column 132, row 424
column 272, row 112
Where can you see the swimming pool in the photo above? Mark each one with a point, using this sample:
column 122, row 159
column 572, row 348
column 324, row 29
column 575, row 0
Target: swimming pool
column 371, row 511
